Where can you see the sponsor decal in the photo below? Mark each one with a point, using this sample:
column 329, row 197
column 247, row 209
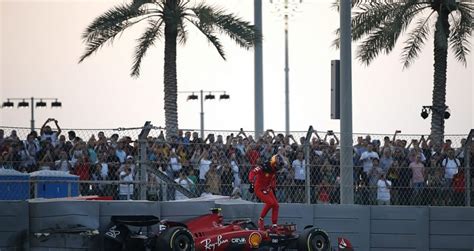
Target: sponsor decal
column 113, row 232
column 238, row 240
column 209, row 245
column 162, row 228
column 342, row 244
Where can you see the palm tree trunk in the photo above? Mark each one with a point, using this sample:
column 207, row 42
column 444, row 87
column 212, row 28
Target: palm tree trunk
column 440, row 67
column 170, row 79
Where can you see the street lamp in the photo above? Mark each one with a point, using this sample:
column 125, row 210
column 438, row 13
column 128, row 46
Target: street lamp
column 209, row 96
column 24, row 104
column 286, row 8
column 427, row 109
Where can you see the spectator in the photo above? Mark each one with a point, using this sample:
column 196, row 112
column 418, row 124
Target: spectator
column 204, row 166
column 129, row 162
column 360, row 147
column 174, row 163
column 324, row 192
column 236, row 172
column 299, row 165
column 373, row 177
column 63, row 164
column 153, row 187
column 104, row 166
column 393, row 175
column 101, row 144
column 114, row 140
column 126, row 183
column 213, row 179
column 383, row 190
column 46, row 154
column 185, row 182
column 459, row 188
column 386, row 161
column 451, row 165
column 367, row 158
column 226, row 180
column 48, row 133
column 13, row 136
column 78, row 151
column 82, row 169
column 97, row 188
column 417, row 179
column 192, row 176
column 435, row 185
column 120, row 152
column 71, row 135
column 329, row 178
column 91, row 153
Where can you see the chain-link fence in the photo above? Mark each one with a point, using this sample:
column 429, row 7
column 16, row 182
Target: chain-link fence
column 116, row 164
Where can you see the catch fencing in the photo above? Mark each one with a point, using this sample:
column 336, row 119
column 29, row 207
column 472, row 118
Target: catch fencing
column 140, row 163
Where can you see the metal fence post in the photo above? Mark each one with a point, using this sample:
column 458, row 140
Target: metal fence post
column 143, row 173
column 467, row 164
column 143, row 142
column 307, row 165
column 35, row 185
column 69, row 193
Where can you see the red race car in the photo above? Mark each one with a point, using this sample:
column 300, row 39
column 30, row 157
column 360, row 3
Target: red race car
column 210, row 233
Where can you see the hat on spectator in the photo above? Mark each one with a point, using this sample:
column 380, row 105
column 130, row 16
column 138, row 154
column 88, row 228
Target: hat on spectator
column 129, row 157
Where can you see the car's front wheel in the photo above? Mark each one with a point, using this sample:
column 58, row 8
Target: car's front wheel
column 314, row 239
column 175, row 239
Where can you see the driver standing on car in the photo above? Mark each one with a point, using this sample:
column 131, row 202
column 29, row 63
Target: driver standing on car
column 263, row 183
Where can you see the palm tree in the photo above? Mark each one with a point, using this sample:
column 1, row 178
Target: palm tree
column 379, row 24
column 168, row 20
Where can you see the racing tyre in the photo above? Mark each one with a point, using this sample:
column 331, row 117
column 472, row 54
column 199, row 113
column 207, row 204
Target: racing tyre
column 175, row 239
column 314, row 239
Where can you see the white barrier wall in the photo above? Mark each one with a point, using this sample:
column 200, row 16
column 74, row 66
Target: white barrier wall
column 371, row 228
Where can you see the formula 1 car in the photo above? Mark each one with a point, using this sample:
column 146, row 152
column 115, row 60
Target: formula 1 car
column 210, row 233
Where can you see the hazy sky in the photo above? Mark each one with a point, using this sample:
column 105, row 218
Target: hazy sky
column 40, row 46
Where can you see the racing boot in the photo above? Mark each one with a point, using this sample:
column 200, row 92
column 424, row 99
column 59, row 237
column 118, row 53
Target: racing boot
column 261, row 224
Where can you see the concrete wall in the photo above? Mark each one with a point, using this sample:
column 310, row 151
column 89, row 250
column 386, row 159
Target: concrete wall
column 371, row 228
column 14, row 225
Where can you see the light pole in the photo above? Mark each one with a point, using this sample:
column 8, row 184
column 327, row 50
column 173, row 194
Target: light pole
column 24, row 104
column 258, row 68
column 347, row 179
column 287, row 8
column 209, row 96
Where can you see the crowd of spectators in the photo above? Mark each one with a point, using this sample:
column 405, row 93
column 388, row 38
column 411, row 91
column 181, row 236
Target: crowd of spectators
column 394, row 171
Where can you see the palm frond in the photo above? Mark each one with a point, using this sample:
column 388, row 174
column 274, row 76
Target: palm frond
column 335, row 5
column 460, row 35
column 144, row 42
column 371, row 15
column 242, row 32
column 384, row 36
column 208, row 32
column 107, row 26
column 182, row 33
column 416, row 39
column 371, row 46
column 136, row 4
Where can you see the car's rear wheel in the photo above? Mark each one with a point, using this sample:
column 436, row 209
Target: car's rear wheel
column 314, row 239
column 175, row 239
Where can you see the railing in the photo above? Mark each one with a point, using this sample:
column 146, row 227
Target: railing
column 285, row 193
